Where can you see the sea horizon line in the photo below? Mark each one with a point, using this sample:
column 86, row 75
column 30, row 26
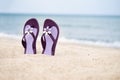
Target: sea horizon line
column 74, row 15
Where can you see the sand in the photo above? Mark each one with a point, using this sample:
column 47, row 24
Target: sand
column 71, row 62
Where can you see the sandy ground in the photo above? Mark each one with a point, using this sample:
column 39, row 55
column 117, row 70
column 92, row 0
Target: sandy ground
column 71, row 62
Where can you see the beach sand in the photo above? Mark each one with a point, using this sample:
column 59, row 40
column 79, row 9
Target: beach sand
column 71, row 62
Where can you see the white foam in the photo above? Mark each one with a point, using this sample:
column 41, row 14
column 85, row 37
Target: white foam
column 115, row 44
column 10, row 36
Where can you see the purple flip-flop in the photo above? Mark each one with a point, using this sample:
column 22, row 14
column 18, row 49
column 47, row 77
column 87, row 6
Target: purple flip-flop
column 30, row 34
column 49, row 37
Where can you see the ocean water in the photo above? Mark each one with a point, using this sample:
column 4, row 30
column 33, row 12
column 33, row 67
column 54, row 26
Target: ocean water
column 93, row 30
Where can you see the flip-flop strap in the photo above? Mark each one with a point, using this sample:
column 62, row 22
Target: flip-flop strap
column 31, row 34
column 44, row 41
column 51, row 36
column 24, row 40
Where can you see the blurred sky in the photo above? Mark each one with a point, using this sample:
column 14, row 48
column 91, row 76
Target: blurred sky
column 89, row 7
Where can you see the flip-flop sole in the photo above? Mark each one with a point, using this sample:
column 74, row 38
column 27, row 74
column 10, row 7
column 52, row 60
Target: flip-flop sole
column 49, row 41
column 31, row 23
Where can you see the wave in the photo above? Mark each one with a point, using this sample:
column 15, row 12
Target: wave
column 10, row 36
column 115, row 44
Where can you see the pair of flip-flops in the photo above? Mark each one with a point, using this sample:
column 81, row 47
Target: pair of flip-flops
column 49, row 37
